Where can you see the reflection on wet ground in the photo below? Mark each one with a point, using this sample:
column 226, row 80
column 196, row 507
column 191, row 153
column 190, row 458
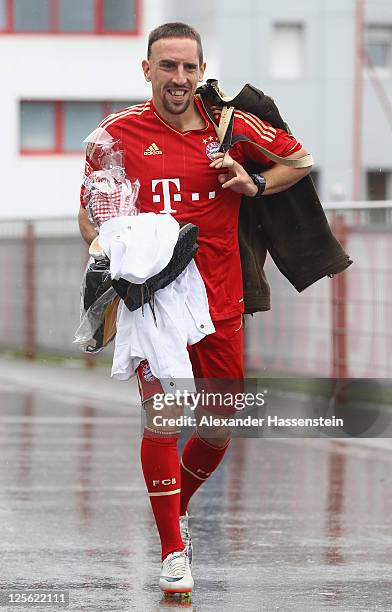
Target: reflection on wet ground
column 292, row 525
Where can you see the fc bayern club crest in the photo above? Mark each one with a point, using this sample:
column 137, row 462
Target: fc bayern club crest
column 147, row 374
column 211, row 149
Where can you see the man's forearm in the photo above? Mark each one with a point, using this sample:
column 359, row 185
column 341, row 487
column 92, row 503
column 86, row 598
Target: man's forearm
column 87, row 229
column 279, row 178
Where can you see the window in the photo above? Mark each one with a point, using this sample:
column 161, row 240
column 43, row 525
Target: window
column 60, row 127
column 76, row 16
column 79, row 119
column 379, row 184
column 70, row 16
column 287, row 51
column 118, row 14
column 37, row 121
column 379, row 187
column 378, row 47
column 32, row 16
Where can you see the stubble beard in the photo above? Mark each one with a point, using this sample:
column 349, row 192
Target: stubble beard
column 176, row 110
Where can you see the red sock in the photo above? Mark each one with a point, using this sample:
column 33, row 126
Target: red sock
column 161, row 471
column 199, row 459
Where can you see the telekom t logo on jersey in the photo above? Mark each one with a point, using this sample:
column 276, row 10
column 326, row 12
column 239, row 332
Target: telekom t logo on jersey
column 165, row 186
column 166, row 193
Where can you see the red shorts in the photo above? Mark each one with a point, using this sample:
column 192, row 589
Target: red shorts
column 217, row 356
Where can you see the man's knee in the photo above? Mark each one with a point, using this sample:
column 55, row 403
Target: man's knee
column 211, row 427
column 165, row 421
column 219, row 442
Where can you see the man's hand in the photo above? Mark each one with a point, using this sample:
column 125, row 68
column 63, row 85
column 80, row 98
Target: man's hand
column 278, row 177
column 235, row 177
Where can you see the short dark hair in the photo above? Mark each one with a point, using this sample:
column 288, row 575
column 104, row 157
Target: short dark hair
column 175, row 30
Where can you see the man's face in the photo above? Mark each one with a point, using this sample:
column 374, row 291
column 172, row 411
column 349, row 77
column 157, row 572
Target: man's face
column 174, row 72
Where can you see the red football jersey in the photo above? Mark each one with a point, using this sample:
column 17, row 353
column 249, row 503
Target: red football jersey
column 175, row 178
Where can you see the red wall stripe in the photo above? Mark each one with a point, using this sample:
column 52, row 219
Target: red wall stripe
column 9, row 15
column 54, row 16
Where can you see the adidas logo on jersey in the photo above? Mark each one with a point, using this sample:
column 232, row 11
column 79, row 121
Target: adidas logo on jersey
column 153, row 149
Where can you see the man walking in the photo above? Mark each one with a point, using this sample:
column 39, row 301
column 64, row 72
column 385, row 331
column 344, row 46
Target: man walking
column 171, row 147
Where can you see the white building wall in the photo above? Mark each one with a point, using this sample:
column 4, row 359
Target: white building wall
column 318, row 105
column 237, row 39
column 59, row 68
column 34, row 67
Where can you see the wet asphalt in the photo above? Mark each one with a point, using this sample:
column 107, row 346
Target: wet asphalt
column 284, row 524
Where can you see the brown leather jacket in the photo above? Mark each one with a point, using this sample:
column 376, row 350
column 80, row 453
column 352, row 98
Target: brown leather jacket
column 291, row 225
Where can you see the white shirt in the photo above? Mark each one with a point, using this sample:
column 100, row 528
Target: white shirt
column 138, row 246
column 181, row 309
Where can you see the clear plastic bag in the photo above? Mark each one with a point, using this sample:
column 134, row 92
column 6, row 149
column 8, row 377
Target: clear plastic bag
column 97, row 296
column 108, row 191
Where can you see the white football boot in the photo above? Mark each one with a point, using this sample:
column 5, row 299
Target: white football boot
column 186, row 537
column 176, row 574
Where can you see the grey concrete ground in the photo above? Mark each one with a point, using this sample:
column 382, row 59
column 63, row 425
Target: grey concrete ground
column 284, row 524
